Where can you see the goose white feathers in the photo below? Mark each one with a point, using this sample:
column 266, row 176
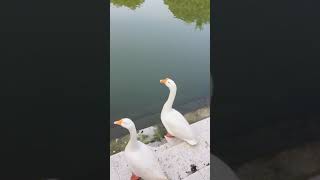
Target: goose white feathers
column 174, row 122
column 139, row 156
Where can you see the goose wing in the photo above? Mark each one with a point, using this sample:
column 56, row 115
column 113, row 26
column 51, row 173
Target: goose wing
column 178, row 126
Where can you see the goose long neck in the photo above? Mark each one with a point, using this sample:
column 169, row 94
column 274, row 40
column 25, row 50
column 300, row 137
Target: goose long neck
column 168, row 105
column 133, row 137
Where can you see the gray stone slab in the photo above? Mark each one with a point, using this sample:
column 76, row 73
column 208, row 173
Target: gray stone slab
column 202, row 129
column 205, row 173
column 113, row 174
column 173, row 163
column 180, row 158
column 198, row 155
column 121, row 166
column 194, row 176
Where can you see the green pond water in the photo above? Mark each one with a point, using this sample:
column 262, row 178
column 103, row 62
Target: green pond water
column 151, row 40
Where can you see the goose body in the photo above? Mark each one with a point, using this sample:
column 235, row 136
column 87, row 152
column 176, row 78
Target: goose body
column 174, row 122
column 143, row 163
column 139, row 156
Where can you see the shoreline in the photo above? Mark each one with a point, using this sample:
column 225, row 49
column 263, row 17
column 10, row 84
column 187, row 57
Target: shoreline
column 154, row 134
column 150, row 119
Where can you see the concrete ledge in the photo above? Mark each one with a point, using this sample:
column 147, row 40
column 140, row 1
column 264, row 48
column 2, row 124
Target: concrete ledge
column 175, row 157
column 153, row 135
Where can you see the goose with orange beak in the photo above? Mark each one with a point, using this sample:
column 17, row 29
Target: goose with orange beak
column 139, row 156
column 174, row 122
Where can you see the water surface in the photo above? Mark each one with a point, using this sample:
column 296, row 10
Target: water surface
column 151, row 40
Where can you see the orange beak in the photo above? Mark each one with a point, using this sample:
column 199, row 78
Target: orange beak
column 163, row 81
column 119, row 122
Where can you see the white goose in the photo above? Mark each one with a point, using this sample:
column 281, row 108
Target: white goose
column 174, row 121
column 139, row 156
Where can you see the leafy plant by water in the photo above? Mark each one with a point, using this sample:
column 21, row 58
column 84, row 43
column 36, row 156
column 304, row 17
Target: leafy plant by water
column 159, row 132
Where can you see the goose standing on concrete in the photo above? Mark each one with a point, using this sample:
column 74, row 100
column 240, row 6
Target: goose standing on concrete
column 174, row 121
column 139, row 156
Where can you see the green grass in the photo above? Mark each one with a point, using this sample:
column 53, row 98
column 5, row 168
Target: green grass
column 159, row 132
column 143, row 138
column 118, row 146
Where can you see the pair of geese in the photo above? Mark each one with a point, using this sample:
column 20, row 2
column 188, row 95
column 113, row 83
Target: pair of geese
column 139, row 156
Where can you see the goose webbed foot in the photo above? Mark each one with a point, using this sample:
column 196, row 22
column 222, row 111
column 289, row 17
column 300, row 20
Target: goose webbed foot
column 134, row 177
column 168, row 135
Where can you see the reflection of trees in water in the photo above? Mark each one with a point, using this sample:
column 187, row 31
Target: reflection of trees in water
column 132, row 4
column 197, row 11
column 190, row 11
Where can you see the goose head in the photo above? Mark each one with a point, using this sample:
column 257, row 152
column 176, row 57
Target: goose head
column 169, row 83
column 126, row 123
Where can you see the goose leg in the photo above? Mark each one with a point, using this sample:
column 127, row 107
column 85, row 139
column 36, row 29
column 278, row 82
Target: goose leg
column 168, row 135
column 134, row 177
